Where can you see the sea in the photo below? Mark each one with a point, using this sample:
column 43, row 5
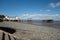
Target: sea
column 55, row 24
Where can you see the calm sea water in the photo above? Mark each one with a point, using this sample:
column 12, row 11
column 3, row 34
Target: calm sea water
column 51, row 24
column 40, row 23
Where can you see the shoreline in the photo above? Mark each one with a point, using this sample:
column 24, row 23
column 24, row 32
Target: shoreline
column 52, row 26
column 33, row 32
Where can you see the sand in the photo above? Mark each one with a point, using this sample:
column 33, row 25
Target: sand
column 33, row 32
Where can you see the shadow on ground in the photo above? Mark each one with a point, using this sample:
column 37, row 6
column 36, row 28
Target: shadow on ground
column 7, row 29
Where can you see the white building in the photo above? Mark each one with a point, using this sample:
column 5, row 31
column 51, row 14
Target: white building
column 11, row 18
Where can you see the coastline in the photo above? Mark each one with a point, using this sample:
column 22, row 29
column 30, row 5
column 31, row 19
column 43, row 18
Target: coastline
column 33, row 32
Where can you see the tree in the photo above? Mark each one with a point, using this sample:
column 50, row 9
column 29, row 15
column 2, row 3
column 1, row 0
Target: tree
column 2, row 17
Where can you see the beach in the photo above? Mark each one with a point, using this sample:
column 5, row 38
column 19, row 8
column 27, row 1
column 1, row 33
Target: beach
column 32, row 32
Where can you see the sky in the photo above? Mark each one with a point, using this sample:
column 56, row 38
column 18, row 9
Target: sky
column 34, row 9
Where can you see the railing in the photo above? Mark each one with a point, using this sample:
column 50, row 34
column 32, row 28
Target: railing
column 6, row 36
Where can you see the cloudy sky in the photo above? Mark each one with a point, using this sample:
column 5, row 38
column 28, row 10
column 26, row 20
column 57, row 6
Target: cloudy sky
column 35, row 9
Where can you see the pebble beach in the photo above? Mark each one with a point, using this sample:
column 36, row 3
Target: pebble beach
column 32, row 32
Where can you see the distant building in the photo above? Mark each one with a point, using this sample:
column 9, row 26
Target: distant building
column 10, row 18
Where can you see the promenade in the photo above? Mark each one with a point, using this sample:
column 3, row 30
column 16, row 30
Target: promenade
column 32, row 32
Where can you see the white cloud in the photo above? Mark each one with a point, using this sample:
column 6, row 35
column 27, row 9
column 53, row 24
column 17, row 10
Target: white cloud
column 40, row 16
column 58, row 4
column 41, row 10
column 54, row 4
column 48, row 10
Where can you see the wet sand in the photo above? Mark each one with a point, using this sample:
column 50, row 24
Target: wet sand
column 32, row 32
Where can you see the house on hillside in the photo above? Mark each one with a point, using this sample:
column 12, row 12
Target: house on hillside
column 10, row 18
